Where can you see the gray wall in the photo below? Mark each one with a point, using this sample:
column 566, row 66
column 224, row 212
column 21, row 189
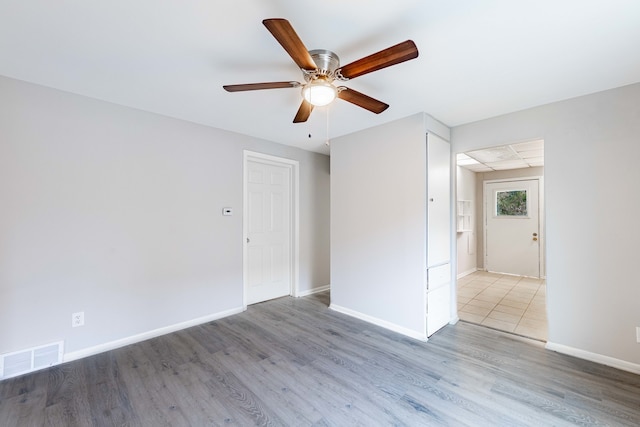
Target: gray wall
column 117, row 212
column 592, row 147
column 378, row 224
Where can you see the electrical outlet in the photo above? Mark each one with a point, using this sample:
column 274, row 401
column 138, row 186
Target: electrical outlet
column 77, row 319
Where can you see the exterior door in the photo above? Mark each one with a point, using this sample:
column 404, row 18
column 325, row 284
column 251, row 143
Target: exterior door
column 268, row 230
column 512, row 227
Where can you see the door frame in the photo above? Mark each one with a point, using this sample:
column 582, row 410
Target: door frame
column 541, row 219
column 294, row 261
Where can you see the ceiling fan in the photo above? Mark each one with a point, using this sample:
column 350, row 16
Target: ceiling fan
column 320, row 68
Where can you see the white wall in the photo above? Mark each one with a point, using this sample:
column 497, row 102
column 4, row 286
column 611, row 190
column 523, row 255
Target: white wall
column 117, row 212
column 592, row 144
column 466, row 240
column 378, row 224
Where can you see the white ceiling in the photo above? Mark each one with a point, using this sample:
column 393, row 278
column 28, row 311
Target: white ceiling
column 515, row 156
column 478, row 59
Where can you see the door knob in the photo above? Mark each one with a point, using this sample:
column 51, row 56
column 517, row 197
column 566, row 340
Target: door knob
column 535, row 239
column 535, row 234
column 247, row 240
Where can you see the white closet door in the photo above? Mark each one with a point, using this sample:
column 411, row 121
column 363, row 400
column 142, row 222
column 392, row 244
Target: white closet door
column 438, row 200
column 438, row 309
column 438, row 234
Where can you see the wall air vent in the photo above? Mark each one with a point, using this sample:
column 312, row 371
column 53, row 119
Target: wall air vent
column 29, row 360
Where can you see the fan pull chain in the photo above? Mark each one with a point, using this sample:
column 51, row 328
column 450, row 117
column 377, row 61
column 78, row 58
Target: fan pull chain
column 326, row 142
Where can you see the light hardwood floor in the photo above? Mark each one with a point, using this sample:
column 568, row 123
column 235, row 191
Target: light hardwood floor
column 504, row 302
column 294, row 362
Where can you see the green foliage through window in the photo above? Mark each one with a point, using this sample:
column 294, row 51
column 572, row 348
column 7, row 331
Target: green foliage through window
column 511, row 203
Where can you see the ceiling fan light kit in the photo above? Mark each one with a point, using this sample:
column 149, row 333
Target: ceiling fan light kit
column 319, row 92
column 320, row 68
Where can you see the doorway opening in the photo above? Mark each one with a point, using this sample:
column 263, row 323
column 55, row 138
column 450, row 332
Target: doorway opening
column 501, row 274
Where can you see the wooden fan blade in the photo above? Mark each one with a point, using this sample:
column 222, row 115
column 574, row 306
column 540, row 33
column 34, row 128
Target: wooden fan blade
column 362, row 100
column 303, row 112
column 260, row 86
column 385, row 58
column 287, row 37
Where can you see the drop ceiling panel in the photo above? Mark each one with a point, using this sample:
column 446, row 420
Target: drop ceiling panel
column 531, row 145
column 508, row 164
column 495, row 154
column 531, row 154
column 515, row 156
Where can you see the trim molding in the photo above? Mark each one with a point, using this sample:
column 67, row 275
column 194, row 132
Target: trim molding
column 594, row 357
column 466, row 273
column 313, row 291
column 101, row 348
column 294, row 170
column 379, row 322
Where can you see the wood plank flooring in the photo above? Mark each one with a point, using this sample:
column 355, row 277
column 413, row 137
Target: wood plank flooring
column 294, row 362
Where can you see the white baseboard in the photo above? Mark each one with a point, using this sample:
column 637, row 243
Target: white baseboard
column 594, row 357
column 313, row 291
column 379, row 322
column 466, row 273
column 100, row 348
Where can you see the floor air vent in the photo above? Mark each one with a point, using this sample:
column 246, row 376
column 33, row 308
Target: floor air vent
column 32, row 359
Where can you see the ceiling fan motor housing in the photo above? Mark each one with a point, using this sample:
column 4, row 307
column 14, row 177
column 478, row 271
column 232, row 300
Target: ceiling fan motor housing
column 327, row 63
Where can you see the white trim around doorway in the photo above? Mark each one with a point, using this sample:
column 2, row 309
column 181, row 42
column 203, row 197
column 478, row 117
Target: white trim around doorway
column 294, row 166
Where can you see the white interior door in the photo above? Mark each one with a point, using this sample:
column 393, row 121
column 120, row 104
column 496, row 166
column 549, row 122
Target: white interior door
column 512, row 227
column 268, row 233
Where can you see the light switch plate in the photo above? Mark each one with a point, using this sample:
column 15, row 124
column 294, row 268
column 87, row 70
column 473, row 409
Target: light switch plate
column 227, row 211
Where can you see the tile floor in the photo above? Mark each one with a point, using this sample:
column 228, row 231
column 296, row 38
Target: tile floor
column 508, row 303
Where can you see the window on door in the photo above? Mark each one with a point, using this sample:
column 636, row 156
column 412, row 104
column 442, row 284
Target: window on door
column 511, row 203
